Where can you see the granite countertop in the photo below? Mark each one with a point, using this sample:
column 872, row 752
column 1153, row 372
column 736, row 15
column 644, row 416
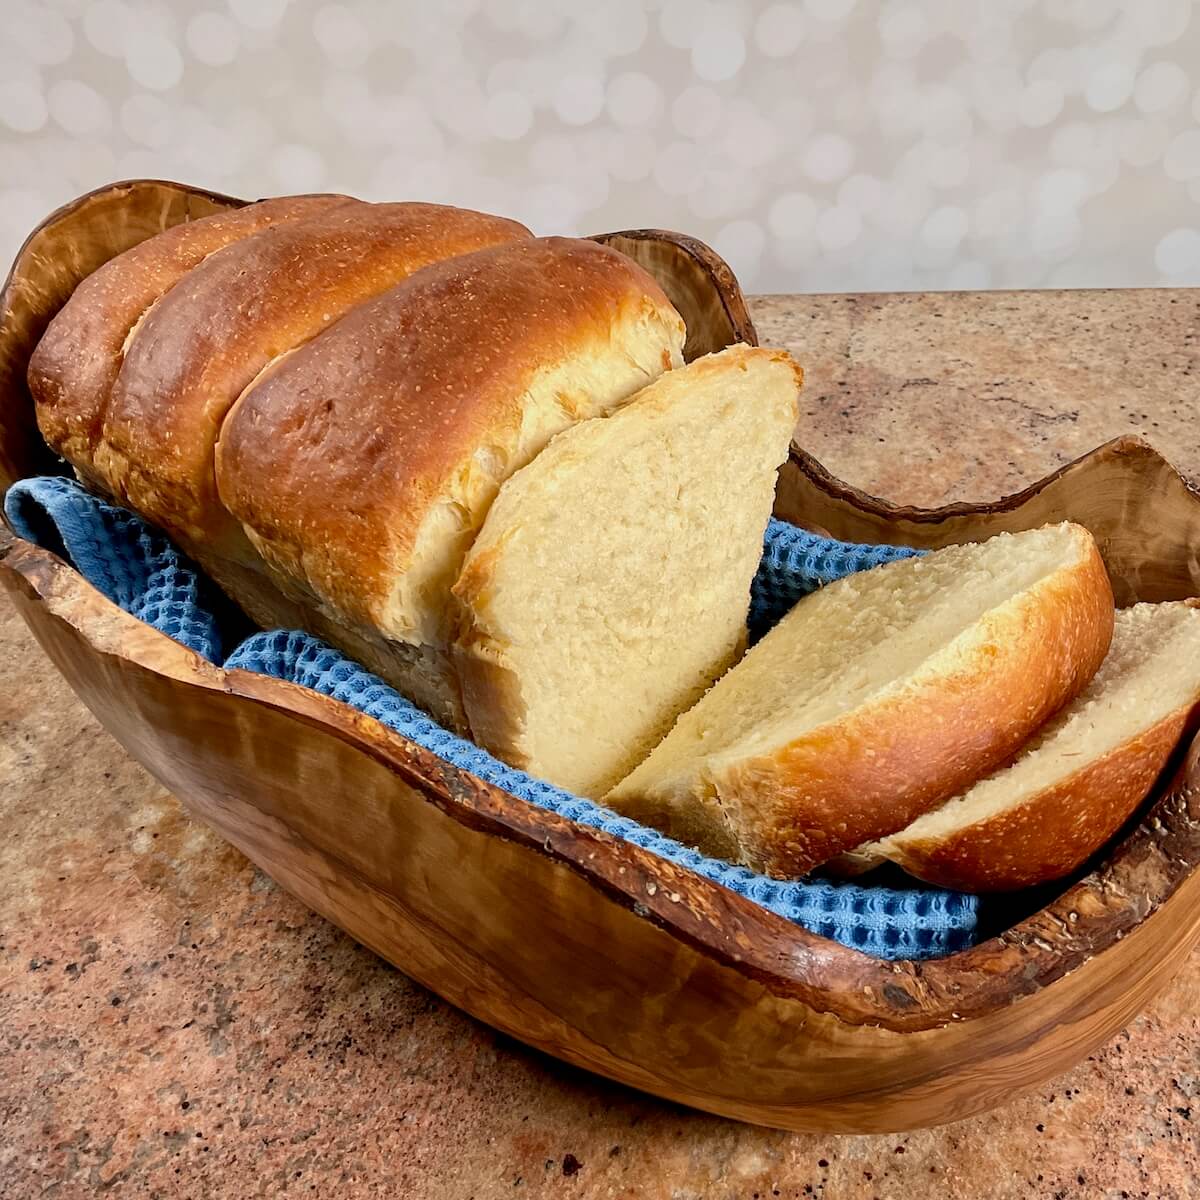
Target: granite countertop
column 171, row 1024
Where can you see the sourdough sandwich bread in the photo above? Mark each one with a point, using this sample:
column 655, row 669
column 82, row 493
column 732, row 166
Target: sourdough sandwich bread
column 474, row 460
column 1079, row 778
column 325, row 439
column 609, row 585
column 877, row 698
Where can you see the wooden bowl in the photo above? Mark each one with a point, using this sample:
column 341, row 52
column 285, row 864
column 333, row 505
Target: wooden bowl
column 585, row 946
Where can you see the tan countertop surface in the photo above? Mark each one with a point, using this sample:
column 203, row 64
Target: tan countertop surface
column 173, row 1025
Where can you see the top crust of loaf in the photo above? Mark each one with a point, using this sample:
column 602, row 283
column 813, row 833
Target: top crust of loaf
column 785, row 803
column 363, row 464
column 227, row 320
column 74, row 366
column 610, row 583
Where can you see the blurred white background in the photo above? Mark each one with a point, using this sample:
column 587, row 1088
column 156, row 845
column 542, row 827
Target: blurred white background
column 820, row 145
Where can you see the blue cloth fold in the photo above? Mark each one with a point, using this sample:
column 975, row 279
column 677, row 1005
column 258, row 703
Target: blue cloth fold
column 138, row 568
column 132, row 563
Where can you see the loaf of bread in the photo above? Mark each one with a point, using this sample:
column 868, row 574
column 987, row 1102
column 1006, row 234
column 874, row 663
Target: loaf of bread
column 75, row 365
column 225, row 323
column 474, row 460
column 609, row 585
column 878, row 698
column 364, row 425
column 1079, row 778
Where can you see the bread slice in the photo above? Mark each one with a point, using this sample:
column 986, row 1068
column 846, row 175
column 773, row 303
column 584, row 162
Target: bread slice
column 1079, row 778
column 879, row 697
column 610, row 583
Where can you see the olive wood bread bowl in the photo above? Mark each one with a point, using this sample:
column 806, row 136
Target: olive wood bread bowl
column 588, row 947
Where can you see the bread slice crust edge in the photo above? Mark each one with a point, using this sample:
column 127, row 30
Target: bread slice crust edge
column 1051, row 832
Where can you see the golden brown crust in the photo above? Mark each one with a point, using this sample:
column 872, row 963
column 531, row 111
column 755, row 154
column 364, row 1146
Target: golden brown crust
column 1052, row 832
column 240, row 309
column 334, row 481
column 74, row 366
column 873, row 772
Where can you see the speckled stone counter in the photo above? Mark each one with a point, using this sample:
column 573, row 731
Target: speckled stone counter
column 173, row 1025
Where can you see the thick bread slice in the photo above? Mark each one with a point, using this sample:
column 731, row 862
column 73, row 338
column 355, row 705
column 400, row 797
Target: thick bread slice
column 879, row 697
column 1083, row 773
column 228, row 320
column 363, row 465
column 610, row 583
column 74, row 366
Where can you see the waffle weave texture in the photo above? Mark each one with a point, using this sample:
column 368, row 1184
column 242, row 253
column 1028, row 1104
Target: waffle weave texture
column 139, row 569
column 132, row 563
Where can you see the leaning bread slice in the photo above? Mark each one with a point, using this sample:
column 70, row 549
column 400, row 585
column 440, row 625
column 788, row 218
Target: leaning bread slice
column 1079, row 778
column 879, row 697
column 609, row 584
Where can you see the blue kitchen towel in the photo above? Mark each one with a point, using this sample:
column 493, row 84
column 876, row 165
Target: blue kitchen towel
column 132, row 563
column 139, row 569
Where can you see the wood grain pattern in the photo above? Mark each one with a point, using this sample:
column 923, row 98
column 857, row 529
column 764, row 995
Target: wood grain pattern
column 595, row 950
column 697, row 281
